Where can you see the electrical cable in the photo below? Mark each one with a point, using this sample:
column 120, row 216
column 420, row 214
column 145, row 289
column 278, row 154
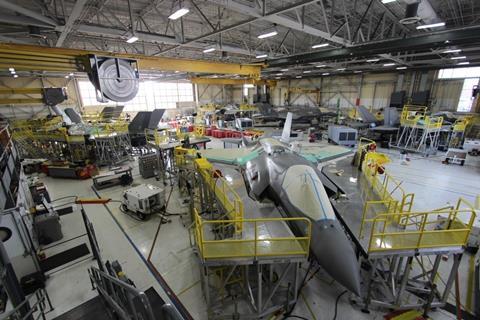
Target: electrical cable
column 336, row 304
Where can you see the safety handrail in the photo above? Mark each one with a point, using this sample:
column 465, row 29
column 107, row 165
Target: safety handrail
column 455, row 231
column 225, row 194
column 18, row 313
column 231, row 246
column 114, row 291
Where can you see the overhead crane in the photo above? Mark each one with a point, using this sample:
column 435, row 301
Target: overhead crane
column 38, row 58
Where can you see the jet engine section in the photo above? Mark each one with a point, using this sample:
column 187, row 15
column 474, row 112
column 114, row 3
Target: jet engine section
column 114, row 79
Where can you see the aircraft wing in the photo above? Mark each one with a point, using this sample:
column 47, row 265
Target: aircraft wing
column 318, row 154
column 232, row 156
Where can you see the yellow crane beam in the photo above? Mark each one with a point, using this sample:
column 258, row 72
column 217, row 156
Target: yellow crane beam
column 11, row 91
column 225, row 81
column 75, row 60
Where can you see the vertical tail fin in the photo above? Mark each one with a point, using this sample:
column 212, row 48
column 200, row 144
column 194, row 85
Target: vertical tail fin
column 287, row 127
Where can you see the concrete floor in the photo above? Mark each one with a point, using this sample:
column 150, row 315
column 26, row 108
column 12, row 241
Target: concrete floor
column 433, row 183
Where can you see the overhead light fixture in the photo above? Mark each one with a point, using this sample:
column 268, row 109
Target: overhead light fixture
column 269, row 33
column 279, row 74
column 132, row 39
column 321, row 45
column 71, row 74
column 401, row 68
column 179, row 13
column 388, row 64
column 357, row 71
column 341, row 69
column 66, row 77
column 463, row 63
column 11, row 69
column 298, row 77
column 452, row 51
column 176, row 71
column 307, row 71
column 431, row 25
column 261, row 56
column 321, row 66
column 15, row 75
column 458, row 58
column 13, row 72
column 284, row 70
column 209, row 50
column 373, row 60
column 387, row 1
column 278, row 78
column 325, row 74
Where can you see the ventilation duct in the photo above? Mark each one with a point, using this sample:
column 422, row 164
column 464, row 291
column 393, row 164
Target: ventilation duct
column 411, row 16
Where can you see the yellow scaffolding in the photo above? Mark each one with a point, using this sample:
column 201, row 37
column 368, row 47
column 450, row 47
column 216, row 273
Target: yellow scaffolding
column 225, row 194
column 424, row 232
column 254, row 247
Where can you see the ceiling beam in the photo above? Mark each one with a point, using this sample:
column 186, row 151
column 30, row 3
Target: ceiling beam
column 23, row 21
column 150, row 37
column 27, row 12
column 13, row 40
column 454, row 37
column 275, row 17
column 76, row 11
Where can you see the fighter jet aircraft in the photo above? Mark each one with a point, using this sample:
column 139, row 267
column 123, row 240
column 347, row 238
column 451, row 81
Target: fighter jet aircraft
column 301, row 114
column 275, row 170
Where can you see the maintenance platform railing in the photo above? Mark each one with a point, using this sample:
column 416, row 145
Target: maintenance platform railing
column 253, row 246
column 384, row 190
column 415, row 116
column 423, row 230
column 224, row 193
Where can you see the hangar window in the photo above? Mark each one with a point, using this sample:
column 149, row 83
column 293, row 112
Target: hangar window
column 471, row 76
column 459, row 73
column 151, row 95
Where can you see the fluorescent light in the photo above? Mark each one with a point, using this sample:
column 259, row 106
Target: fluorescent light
column 326, row 74
column 279, row 74
column 321, row 45
column 357, row 71
column 11, row 69
column 463, row 63
column 452, row 51
column 179, row 13
column 13, row 72
column 401, row 68
column 208, row 50
column 432, row 25
column 373, row 60
column 176, row 71
column 268, row 34
column 389, row 64
column 307, row 71
column 71, row 74
column 321, row 66
column 458, row 58
column 132, row 39
column 284, row 70
column 341, row 69
column 66, row 77
column 261, row 56
column 298, row 77
column 15, row 75
column 388, row 1
column 278, row 78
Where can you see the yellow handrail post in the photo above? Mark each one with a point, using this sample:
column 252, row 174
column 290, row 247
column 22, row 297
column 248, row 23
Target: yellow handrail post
column 255, row 242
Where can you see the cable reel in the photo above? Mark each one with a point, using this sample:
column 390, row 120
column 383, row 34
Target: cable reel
column 114, row 79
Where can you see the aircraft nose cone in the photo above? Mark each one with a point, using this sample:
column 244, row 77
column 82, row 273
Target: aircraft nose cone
column 335, row 254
